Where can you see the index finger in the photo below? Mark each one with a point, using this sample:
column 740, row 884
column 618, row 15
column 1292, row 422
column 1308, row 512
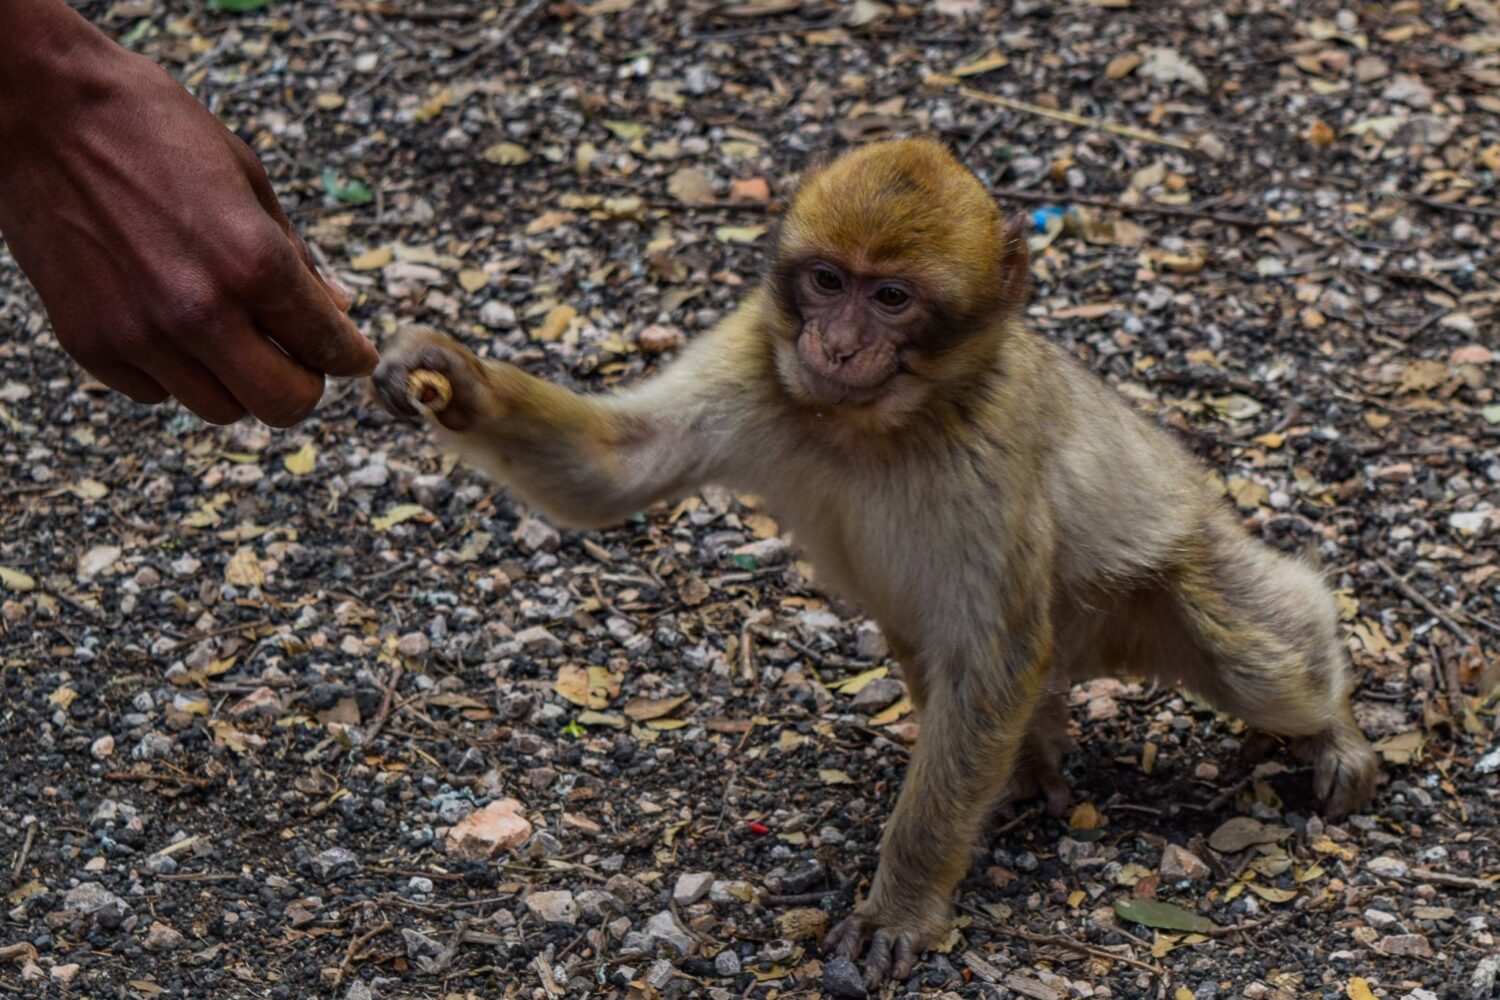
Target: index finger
column 296, row 311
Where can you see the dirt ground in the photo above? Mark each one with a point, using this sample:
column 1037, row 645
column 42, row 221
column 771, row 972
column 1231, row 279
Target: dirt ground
column 253, row 679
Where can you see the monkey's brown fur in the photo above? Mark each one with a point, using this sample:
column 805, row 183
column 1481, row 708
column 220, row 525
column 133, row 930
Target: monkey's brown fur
column 1010, row 522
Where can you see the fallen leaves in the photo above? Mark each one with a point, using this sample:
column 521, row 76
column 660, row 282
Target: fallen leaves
column 587, row 687
column 1162, row 915
column 1242, row 832
column 301, row 461
column 397, row 514
column 15, row 580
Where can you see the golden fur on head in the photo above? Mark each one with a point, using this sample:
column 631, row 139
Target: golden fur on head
column 908, row 208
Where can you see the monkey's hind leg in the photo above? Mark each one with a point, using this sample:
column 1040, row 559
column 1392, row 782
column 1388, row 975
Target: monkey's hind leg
column 1038, row 771
column 1266, row 629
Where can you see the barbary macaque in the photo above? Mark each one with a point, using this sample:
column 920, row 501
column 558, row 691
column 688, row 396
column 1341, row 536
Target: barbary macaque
column 1008, row 520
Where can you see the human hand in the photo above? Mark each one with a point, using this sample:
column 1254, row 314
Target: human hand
column 157, row 245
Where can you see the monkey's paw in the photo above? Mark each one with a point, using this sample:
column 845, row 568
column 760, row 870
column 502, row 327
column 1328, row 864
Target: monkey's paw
column 1345, row 770
column 893, row 945
column 405, row 384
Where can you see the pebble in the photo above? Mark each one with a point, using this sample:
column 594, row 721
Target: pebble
column 1489, row 763
column 656, row 338
column 870, row 642
column 536, row 535
column 691, row 887
column 1387, row 867
column 598, row 905
column 727, row 963
column 153, row 746
column 1179, row 863
column 660, row 974
column 497, row 315
column 767, row 551
column 555, row 907
column 483, row 834
column 359, row 991
column 162, row 937
column 877, row 694
column 89, row 898
column 97, row 560
column 65, row 974
column 664, row 927
column 1380, row 919
column 413, row 644
column 431, row 490
column 102, row 748
column 259, row 703
column 1406, row 945
column 842, row 978
column 334, row 863
column 373, row 474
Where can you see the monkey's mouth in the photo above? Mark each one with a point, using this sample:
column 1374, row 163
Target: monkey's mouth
column 834, row 391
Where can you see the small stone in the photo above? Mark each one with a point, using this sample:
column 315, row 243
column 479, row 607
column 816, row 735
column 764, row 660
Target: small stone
column 598, row 905
column 1488, row 764
column 842, row 978
column 536, row 535
column 727, row 963
column 413, row 644
column 664, row 927
column 1368, row 69
column 1408, row 90
column 750, row 189
column 258, row 703
column 870, row 642
column 431, row 490
column 97, row 560
column 334, row 863
column 359, row 991
column 1406, row 945
column 162, row 937
column 497, row 315
column 483, row 834
column 373, row 474
column 89, row 898
column 656, row 338
column 1387, row 867
column 877, row 694
column 161, row 864
column 65, row 974
column 660, row 974
column 153, row 746
column 419, row 945
column 766, row 551
column 1380, row 919
column 1206, row 771
column 556, row 907
column 1178, row 863
column 102, row 748
column 691, row 887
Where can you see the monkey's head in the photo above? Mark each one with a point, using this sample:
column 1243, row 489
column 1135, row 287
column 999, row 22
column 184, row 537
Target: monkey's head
column 894, row 275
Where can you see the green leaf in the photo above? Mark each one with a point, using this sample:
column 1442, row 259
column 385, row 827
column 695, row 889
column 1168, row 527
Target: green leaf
column 141, row 30
column 573, row 729
column 747, row 562
column 350, row 192
column 238, row 6
column 1163, row 916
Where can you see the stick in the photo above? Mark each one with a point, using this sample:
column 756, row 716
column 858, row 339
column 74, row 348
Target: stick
column 1128, row 131
column 354, row 947
column 1418, row 598
column 1099, row 201
column 1059, row 941
column 1453, row 206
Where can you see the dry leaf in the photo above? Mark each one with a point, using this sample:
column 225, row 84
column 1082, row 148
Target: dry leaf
column 373, row 260
column 739, row 234
column 14, row 579
column 395, row 515
column 243, row 569
column 887, row 716
column 507, row 154
column 301, row 461
column 644, row 709
column 691, row 186
column 556, row 323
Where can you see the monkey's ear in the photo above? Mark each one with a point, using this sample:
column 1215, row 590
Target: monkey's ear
column 1014, row 267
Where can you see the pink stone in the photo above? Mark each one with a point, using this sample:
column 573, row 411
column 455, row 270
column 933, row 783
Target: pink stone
column 482, row 835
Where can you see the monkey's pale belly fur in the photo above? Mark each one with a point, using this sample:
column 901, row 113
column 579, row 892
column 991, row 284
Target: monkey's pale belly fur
column 1002, row 513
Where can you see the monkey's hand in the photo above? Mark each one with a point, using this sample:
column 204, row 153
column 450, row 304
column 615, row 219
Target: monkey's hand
column 896, row 936
column 429, row 373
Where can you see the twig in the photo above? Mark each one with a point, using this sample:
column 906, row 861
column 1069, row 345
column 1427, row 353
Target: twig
column 15, row 870
column 181, row 779
column 1100, row 201
column 502, row 40
column 1453, row 206
column 355, row 945
column 1128, row 131
column 804, row 898
column 22, row 951
column 1418, row 598
column 1061, row 941
column 979, row 134
column 383, row 716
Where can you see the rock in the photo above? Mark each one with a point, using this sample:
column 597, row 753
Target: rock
column 497, row 315
column 656, row 338
column 111, row 915
column 664, row 927
column 373, row 474
column 97, row 560
column 1482, row 980
column 842, row 978
column 334, row 863
column 1387, row 867
column 89, row 898
column 413, row 644
column 153, row 746
column 727, row 963
column 102, row 748
column 536, row 535
column 419, row 945
column 112, row 811
column 598, row 905
column 262, row 702
column 870, row 642
column 797, row 878
column 877, row 694
column 660, row 974
column 802, row 923
column 556, row 907
column 1474, row 522
column 538, row 640
column 766, row 551
column 1488, row 764
column 1406, row 945
column 691, row 887
column 754, row 189
column 1178, row 863
column 161, row 864
column 162, row 937
column 483, row 834
column 359, row 991
column 1381, row 920
column 431, row 490
column 65, row 974
column 1408, row 90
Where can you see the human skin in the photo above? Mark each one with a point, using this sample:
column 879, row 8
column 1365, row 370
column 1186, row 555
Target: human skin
column 152, row 234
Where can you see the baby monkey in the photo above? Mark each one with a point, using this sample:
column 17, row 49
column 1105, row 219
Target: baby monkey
column 1002, row 513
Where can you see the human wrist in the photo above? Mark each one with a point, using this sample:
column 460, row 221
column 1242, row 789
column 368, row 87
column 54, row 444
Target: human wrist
column 51, row 59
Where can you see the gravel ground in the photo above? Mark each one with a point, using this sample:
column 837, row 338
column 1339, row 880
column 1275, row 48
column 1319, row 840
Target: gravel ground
column 314, row 713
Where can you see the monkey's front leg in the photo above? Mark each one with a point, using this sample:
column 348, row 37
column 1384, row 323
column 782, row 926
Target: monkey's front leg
column 588, row 461
column 973, row 723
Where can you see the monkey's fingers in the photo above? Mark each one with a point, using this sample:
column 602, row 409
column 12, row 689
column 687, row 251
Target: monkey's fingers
column 847, row 940
column 429, row 390
column 906, row 957
column 878, row 958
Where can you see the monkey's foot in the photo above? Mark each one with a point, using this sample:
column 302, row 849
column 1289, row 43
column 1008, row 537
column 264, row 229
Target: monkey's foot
column 417, row 355
column 1042, row 780
column 1344, row 769
column 893, row 948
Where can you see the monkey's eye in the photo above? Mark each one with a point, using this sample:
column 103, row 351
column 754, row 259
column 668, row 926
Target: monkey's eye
column 892, row 296
column 828, row 279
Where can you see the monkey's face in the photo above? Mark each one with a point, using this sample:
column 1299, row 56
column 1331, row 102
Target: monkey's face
column 855, row 329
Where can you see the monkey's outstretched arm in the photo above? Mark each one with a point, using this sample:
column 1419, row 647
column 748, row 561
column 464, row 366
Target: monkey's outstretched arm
column 974, row 719
column 587, row 461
